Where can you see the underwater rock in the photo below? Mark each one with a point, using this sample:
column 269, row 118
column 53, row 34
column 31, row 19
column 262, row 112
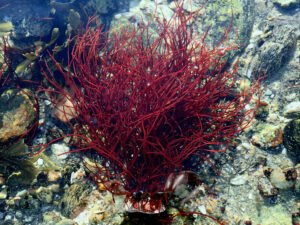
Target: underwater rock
column 19, row 169
column 280, row 180
column 44, row 194
column 74, row 20
column 267, row 136
column 3, row 193
column 274, row 49
column 17, row 113
column 266, row 188
column 239, row 179
column 101, row 7
column 53, row 176
column 217, row 16
column 73, row 199
column 208, row 19
column 55, row 218
column 297, row 182
column 263, row 111
column 30, row 18
column 87, row 206
column 292, row 110
column 291, row 139
column 274, row 215
column 287, row 4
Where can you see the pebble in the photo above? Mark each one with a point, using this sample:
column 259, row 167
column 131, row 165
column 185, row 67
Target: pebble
column 77, row 176
column 278, row 179
column 40, row 162
column 266, row 188
column 3, row 193
column 268, row 92
column 19, row 215
column 239, row 179
column 202, row 209
column 53, row 176
column 59, row 149
column 268, row 136
column 22, row 193
column 44, row 194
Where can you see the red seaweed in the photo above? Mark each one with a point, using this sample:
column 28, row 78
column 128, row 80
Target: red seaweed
column 147, row 102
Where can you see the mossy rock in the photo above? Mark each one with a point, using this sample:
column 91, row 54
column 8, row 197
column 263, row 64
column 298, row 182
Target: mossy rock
column 291, row 139
column 17, row 113
column 215, row 16
column 219, row 15
column 267, row 136
column 262, row 113
column 14, row 162
column 74, row 199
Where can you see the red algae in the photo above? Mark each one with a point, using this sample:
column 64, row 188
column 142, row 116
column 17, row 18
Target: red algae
column 146, row 102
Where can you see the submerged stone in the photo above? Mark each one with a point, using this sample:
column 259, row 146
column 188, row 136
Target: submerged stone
column 287, row 4
column 267, row 136
column 292, row 110
column 291, row 139
column 17, row 113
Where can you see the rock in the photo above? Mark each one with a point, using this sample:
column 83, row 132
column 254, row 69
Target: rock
column 239, row 179
column 101, row 7
column 27, row 18
column 44, row 194
column 273, row 49
column 279, row 179
column 64, row 109
column 189, row 6
column 266, row 188
column 292, row 110
column 59, row 149
column 55, row 218
column 287, row 4
column 262, row 112
column 54, row 176
column 22, row 193
column 216, row 23
column 274, row 215
column 72, row 201
column 267, row 136
column 3, row 193
column 77, row 176
column 297, row 182
column 17, row 113
column 87, row 206
column 14, row 157
column 291, row 139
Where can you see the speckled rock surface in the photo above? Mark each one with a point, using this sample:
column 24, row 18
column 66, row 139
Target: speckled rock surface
column 27, row 17
column 292, row 139
column 287, row 4
column 267, row 136
column 242, row 10
column 17, row 113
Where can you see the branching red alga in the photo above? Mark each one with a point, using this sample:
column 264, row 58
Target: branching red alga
column 146, row 102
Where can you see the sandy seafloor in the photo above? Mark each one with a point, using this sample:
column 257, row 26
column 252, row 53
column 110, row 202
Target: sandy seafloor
column 259, row 180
